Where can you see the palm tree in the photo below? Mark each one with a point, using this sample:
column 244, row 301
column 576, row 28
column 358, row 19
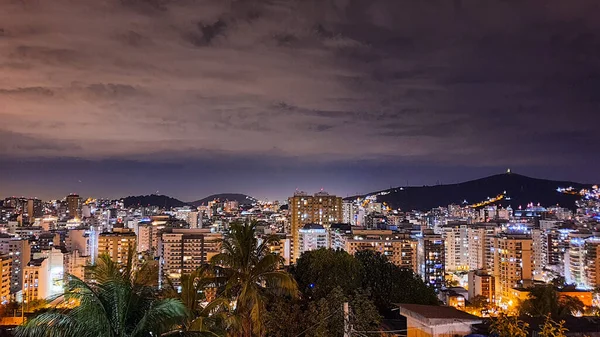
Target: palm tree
column 251, row 273
column 544, row 300
column 118, row 302
column 205, row 320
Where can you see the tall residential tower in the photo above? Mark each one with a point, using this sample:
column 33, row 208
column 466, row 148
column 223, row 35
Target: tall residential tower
column 322, row 209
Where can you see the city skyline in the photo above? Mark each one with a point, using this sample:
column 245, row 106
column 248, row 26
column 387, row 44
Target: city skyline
column 560, row 185
column 191, row 98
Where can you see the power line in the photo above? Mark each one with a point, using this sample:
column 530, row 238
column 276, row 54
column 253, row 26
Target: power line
column 319, row 323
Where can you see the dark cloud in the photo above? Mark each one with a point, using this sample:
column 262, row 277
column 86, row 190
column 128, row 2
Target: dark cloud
column 45, row 55
column 22, row 144
column 437, row 82
column 29, row 91
column 113, row 91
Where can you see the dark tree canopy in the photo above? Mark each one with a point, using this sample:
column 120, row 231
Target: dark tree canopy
column 389, row 284
column 319, row 272
column 545, row 300
column 322, row 317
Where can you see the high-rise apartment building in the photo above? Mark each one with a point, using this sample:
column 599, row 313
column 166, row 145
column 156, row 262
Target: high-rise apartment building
column 592, row 262
column 148, row 236
column 35, row 209
column 557, row 243
column 431, row 259
column 456, row 243
column 512, row 263
column 20, row 252
column 480, row 242
column 313, row 237
column 322, row 209
column 349, row 213
column 399, row 248
column 74, row 206
column 5, row 276
column 575, row 262
column 539, row 249
column 182, row 251
column 117, row 244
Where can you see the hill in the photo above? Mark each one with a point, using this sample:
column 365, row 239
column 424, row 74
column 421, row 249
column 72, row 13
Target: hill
column 242, row 199
column 520, row 191
column 153, row 200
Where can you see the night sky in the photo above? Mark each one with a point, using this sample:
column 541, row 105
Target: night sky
column 119, row 97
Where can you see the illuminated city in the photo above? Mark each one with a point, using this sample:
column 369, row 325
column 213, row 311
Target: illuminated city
column 301, row 168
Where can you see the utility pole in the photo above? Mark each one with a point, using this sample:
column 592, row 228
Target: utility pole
column 346, row 320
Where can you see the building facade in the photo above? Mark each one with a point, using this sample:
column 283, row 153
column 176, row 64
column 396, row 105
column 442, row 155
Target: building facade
column 182, row 251
column 313, row 237
column 512, row 263
column 457, row 246
column 431, row 259
column 321, row 208
column 5, row 276
column 117, row 244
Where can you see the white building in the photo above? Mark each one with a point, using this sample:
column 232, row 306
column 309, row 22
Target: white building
column 349, row 213
column 575, row 263
column 43, row 277
column 480, row 243
column 456, row 244
column 313, row 237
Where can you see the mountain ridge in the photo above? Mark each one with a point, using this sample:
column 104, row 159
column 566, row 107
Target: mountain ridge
column 152, row 200
column 170, row 202
column 242, row 199
column 520, row 191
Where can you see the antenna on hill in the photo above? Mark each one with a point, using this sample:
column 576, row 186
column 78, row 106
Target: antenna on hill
column 508, row 171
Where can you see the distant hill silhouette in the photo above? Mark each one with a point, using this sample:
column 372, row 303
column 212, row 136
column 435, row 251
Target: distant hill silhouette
column 153, row 200
column 520, row 190
column 242, row 199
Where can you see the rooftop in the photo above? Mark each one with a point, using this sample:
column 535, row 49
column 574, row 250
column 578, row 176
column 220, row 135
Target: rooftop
column 435, row 314
column 312, row 226
column 36, row 262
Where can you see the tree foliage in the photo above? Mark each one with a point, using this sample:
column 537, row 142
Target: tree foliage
column 250, row 273
column 544, row 300
column 207, row 320
column 323, row 317
column 285, row 317
column 479, row 302
column 508, row 326
column 390, row 284
column 552, row 328
column 321, row 271
column 118, row 303
column 318, row 272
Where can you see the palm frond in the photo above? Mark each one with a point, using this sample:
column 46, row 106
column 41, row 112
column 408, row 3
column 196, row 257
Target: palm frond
column 161, row 316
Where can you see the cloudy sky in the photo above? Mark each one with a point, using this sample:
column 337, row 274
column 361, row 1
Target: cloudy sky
column 192, row 97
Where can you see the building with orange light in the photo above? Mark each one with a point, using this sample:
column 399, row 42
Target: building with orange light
column 321, row 208
column 182, row 251
column 117, row 244
column 6, row 265
column 512, row 264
